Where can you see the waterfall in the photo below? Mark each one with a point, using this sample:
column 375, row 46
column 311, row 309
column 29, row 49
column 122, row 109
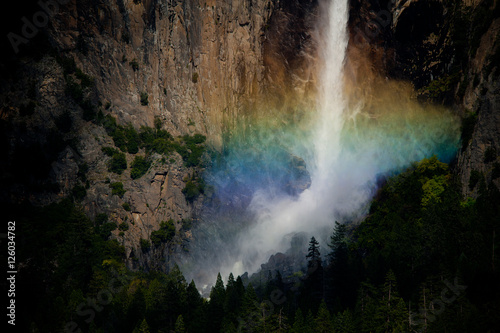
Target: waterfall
column 346, row 146
column 331, row 101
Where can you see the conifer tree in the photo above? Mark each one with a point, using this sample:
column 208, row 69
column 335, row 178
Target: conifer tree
column 344, row 322
column 313, row 256
column 251, row 315
column 313, row 289
column 339, row 281
column 216, row 305
column 391, row 315
column 323, row 321
column 142, row 328
column 179, row 325
column 232, row 303
column 195, row 314
column 299, row 324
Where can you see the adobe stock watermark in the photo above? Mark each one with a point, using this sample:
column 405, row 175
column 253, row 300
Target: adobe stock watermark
column 105, row 296
column 40, row 20
column 266, row 308
column 449, row 294
column 375, row 26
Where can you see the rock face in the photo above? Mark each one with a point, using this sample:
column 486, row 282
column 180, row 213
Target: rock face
column 449, row 51
column 197, row 65
column 203, row 66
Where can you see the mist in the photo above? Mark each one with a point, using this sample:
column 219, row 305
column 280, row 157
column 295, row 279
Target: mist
column 278, row 178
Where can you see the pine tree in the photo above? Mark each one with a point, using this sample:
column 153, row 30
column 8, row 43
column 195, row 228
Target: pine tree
column 251, row 314
column 216, row 305
column 366, row 306
column 313, row 256
column 142, row 328
column 323, row 321
column 344, row 322
column 232, row 303
column 341, row 286
column 391, row 315
column 313, row 289
column 195, row 314
column 179, row 325
column 298, row 323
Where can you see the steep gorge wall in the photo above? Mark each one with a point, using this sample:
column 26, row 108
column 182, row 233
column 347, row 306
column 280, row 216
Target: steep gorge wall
column 449, row 51
column 203, row 65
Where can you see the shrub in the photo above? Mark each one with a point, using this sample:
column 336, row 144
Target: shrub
column 101, row 218
column 109, row 151
column 164, row 234
column 194, row 78
column 118, row 163
column 86, row 81
column 117, row 189
column 79, row 192
column 140, row 166
column 126, row 206
column 144, row 98
column 74, row 90
column 132, row 138
column 82, row 171
column 109, row 124
column 123, row 226
column 145, row 245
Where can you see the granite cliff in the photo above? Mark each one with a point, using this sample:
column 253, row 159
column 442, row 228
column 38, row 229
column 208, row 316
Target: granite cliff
column 201, row 67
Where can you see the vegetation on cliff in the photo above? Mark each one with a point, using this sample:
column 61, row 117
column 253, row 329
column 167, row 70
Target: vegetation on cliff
column 423, row 259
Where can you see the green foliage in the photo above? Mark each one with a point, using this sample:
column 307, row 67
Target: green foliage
column 323, row 322
column 164, row 234
column 109, row 151
column 145, row 245
column 78, row 192
column 144, row 98
column 118, row 163
column 140, row 166
column 313, row 255
column 117, row 189
column 74, row 89
column 123, row 226
column 68, row 64
column 86, row 81
column 405, row 260
column 83, row 169
column 194, row 187
column 77, row 89
column 179, row 325
column 126, row 206
column 156, row 140
column 438, row 88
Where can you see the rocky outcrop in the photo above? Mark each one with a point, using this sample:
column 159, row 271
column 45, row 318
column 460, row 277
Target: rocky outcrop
column 197, row 65
column 449, row 51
